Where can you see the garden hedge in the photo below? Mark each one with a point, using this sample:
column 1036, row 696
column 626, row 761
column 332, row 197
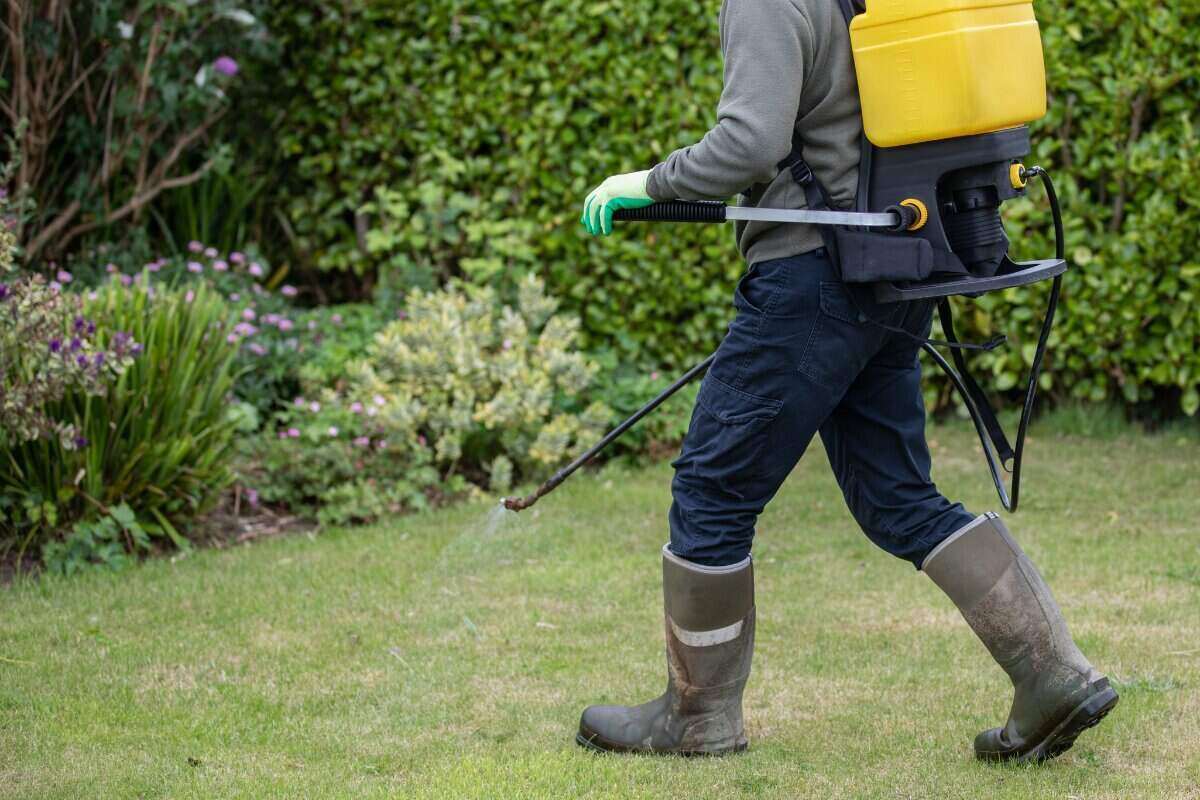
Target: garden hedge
column 485, row 123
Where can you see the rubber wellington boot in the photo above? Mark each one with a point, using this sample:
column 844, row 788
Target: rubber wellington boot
column 1059, row 694
column 710, row 639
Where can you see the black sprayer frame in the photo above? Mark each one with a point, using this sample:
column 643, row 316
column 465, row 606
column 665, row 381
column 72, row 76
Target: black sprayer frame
column 997, row 450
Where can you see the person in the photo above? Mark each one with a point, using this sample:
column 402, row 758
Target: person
column 808, row 354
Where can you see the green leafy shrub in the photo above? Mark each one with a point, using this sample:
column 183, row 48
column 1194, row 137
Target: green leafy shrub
column 121, row 99
column 489, row 133
column 160, row 440
column 462, row 392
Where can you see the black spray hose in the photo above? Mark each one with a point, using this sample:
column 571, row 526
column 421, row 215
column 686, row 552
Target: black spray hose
column 1060, row 252
column 522, row 503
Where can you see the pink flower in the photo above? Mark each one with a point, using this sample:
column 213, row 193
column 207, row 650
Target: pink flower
column 314, row 407
column 226, row 66
column 235, row 297
column 211, row 252
column 195, row 267
column 285, row 325
column 189, row 297
column 381, row 444
column 654, row 375
column 153, row 266
column 252, row 497
column 110, row 268
column 55, row 286
column 220, row 266
column 293, row 433
column 237, row 258
column 289, row 291
column 195, row 247
column 507, row 344
column 256, row 270
column 333, row 431
column 362, row 441
column 378, row 400
column 356, row 408
column 336, row 319
column 312, row 324
column 421, row 440
column 126, row 280
column 248, row 314
column 245, row 329
column 298, row 402
column 232, row 338
column 257, row 349
column 64, row 277
column 283, row 435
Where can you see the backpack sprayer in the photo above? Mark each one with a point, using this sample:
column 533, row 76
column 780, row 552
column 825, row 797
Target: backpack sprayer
column 947, row 87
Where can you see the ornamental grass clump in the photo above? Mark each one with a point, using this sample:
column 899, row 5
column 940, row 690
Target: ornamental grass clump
column 158, row 440
column 462, row 393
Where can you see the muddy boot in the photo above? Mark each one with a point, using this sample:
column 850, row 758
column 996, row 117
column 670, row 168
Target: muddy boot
column 710, row 638
column 1008, row 605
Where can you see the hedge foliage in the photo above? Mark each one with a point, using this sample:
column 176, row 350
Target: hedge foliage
column 457, row 137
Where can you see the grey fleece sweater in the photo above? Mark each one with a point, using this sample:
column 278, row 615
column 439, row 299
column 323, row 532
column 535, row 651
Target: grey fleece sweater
column 788, row 71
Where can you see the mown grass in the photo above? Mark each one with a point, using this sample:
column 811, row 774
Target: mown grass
column 426, row 658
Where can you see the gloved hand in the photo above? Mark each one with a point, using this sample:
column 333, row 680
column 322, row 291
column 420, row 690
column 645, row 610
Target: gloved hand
column 619, row 191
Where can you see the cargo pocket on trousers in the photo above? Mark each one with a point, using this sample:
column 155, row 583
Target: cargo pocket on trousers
column 729, row 433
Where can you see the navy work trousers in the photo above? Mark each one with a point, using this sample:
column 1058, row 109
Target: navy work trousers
column 800, row 357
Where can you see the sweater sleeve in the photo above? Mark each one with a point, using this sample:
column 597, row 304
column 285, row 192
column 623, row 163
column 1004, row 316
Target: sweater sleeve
column 768, row 47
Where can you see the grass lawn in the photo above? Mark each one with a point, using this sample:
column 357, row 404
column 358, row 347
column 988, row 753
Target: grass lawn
column 428, row 657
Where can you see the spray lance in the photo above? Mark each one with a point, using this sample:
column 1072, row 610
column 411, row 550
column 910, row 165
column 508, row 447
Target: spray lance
column 937, row 162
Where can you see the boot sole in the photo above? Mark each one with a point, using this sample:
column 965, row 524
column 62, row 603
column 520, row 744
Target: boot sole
column 1087, row 714
column 590, row 740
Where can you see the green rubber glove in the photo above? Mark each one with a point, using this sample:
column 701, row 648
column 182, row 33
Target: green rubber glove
column 619, row 191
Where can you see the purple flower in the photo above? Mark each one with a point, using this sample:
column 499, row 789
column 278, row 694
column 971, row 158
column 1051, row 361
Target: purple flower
column 3, row 291
column 137, row 349
column 362, row 441
column 382, row 444
column 356, row 408
column 235, row 297
column 64, row 277
column 232, row 338
column 98, row 360
column 55, row 345
column 256, row 270
column 83, row 360
column 110, row 268
column 76, row 344
column 91, row 326
column 285, row 325
column 55, row 287
column 248, row 314
column 237, row 258
column 336, row 319
column 210, row 252
column 379, row 400
column 507, row 344
column 283, row 435
column 220, row 266
column 126, row 280
column 289, row 291
column 257, row 349
column 245, row 329
column 189, row 297
column 293, row 433
column 333, row 431
column 271, row 319
column 252, row 497
column 314, row 407
column 298, row 402
column 195, row 247
column 81, row 442
column 226, row 66
column 195, row 267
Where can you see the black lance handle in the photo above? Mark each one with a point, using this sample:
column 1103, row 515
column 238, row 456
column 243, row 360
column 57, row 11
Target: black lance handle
column 674, row 211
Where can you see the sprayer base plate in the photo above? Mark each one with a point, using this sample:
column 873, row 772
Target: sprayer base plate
column 1011, row 274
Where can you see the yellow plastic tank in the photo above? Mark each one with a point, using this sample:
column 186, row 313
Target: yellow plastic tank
column 937, row 69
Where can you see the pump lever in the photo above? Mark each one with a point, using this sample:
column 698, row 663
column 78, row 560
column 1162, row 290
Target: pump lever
column 710, row 211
